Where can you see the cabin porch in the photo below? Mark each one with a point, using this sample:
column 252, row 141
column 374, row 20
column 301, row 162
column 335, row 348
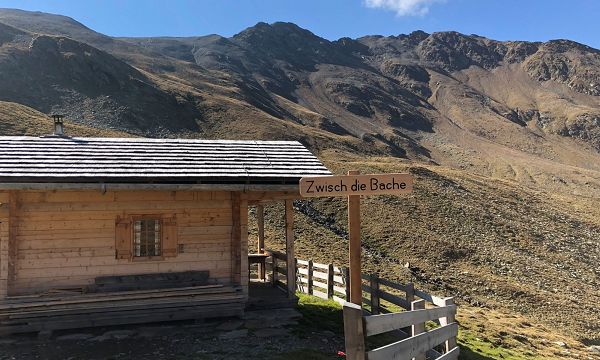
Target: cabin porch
column 71, row 309
column 269, row 263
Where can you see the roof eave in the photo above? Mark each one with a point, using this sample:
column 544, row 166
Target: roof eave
column 156, row 187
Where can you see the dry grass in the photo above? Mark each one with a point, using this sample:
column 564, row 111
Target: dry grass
column 502, row 249
column 17, row 119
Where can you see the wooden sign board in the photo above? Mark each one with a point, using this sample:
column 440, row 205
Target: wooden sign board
column 347, row 185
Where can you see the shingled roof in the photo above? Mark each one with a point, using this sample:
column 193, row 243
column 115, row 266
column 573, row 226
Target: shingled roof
column 141, row 160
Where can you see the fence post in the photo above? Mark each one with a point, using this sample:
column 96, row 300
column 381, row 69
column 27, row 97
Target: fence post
column 330, row 281
column 354, row 332
column 450, row 343
column 374, row 285
column 410, row 293
column 310, row 277
column 296, row 275
column 274, row 277
column 347, row 282
column 419, row 327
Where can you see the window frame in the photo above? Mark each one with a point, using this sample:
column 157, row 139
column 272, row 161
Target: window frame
column 160, row 219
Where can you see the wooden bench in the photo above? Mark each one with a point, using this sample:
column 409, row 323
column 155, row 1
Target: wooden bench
column 149, row 281
column 22, row 314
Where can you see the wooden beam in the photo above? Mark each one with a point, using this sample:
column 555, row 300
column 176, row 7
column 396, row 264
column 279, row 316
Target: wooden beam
column 354, row 332
column 418, row 327
column 12, row 240
column 285, row 189
column 236, row 238
column 243, row 252
column 450, row 344
column 266, row 197
column 4, row 243
column 289, row 248
column 260, row 219
column 354, row 246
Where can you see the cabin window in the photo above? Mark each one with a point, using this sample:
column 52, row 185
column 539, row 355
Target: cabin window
column 147, row 237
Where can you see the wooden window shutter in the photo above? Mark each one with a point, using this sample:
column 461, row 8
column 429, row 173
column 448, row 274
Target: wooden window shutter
column 169, row 228
column 123, row 238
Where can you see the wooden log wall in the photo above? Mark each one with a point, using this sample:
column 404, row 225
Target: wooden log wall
column 67, row 238
column 4, row 237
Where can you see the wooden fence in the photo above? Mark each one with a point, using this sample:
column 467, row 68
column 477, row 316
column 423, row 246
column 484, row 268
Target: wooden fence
column 387, row 307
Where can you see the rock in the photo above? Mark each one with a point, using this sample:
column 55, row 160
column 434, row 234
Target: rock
column 152, row 331
column 275, row 315
column 257, row 324
column 74, row 337
column 561, row 344
column 270, row 332
column 45, row 334
column 118, row 334
column 235, row 334
column 99, row 338
column 595, row 349
column 230, row 325
column 521, row 338
column 328, row 333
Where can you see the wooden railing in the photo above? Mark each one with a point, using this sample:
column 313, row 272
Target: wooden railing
column 322, row 280
column 278, row 269
column 388, row 306
column 358, row 326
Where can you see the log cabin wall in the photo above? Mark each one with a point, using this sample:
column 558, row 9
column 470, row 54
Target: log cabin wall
column 67, row 238
column 4, row 223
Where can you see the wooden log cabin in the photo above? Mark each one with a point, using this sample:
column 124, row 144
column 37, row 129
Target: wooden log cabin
column 107, row 231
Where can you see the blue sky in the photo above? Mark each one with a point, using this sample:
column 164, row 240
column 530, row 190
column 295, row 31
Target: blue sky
column 537, row 20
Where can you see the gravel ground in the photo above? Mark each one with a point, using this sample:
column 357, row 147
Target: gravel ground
column 276, row 336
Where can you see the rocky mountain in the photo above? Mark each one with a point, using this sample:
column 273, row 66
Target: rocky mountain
column 389, row 90
column 504, row 137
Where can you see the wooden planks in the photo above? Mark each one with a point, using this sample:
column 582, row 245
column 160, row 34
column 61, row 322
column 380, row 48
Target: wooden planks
column 413, row 346
column 12, row 240
column 66, row 238
column 35, row 313
column 377, row 324
column 4, row 243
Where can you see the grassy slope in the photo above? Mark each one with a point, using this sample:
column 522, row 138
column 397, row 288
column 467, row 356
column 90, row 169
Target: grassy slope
column 506, row 251
column 17, row 119
column 484, row 334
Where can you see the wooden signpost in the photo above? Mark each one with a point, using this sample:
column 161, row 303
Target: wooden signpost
column 353, row 186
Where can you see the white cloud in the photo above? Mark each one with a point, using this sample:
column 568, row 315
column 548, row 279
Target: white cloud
column 403, row 7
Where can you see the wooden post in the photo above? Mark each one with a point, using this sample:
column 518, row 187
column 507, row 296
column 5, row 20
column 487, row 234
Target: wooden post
column 8, row 236
column 310, row 277
column 236, row 238
column 420, row 327
column 354, row 244
column 260, row 218
column 347, row 282
column 410, row 293
column 354, row 332
column 330, row 281
column 12, row 240
column 374, row 285
column 289, row 248
column 450, row 343
column 274, row 278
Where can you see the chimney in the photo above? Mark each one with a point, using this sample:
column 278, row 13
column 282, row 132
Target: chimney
column 58, row 125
